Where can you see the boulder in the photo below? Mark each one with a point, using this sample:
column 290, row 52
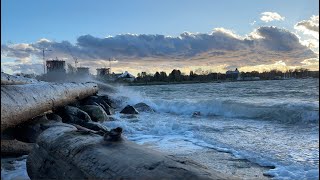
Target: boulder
column 95, row 112
column 29, row 131
column 94, row 126
column 143, row 107
column 108, row 100
column 113, row 134
column 54, row 117
column 109, row 110
column 71, row 112
column 92, row 100
column 129, row 110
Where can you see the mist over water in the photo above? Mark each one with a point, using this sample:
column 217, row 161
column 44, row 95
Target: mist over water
column 272, row 123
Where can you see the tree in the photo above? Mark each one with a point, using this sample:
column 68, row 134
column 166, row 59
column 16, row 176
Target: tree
column 156, row 76
column 163, row 76
column 175, row 75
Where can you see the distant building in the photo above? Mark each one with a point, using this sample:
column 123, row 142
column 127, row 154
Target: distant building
column 83, row 71
column 232, row 74
column 55, row 66
column 103, row 72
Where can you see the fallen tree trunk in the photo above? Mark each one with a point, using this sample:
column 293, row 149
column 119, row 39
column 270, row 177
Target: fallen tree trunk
column 20, row 103
column 7, row 79
column 63, row 153
column 15, row 148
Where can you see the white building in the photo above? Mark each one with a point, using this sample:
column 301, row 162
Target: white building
column 126, row 76
column 232, row 74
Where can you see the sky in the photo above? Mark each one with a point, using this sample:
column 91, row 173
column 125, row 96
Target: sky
column 149, row 35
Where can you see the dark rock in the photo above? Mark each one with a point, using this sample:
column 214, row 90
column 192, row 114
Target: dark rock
column 73, row 119
column 113, row 134
column 109, row 110
column 29, row 131
column 96, row 112
column 94, row 126
column 54, row 117
column 76, row 112
column 108, row 100
column 129, row 110
column 75, row 104
column 196, row 113
column 143, row 107
column 93, row 100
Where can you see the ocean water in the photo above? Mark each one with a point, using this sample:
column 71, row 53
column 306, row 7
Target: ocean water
column 271, row 123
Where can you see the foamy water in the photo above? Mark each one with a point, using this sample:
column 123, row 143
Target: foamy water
column 272, row 123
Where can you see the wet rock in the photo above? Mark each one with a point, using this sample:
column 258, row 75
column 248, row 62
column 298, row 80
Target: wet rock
column 129, row 110
column 143, row 107
column 108, row 100
column 113, row 134
column 96, row 112
column 75, row 112
column 109, row 110
column 75, row 104
column 54, row 117
column 98, row 100
column 29, row 131
column 196, row 114
column 73, row 119
column 94, row 126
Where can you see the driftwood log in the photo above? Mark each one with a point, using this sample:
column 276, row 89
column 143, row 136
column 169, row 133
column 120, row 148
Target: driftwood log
column 20, row 103
column 65, row 153
column 7, row 79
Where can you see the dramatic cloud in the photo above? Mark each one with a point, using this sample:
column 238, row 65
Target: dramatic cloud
column 271, row 16
column 309, row 27
column 309, row 32
column 220, row 48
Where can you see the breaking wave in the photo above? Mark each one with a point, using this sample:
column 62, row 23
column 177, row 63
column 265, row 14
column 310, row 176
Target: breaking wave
column 285, row 112
column 304, row 112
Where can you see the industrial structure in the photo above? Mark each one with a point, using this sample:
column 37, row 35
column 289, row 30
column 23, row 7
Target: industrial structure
column 55, row 66
column 101, row 72
column 83, row 71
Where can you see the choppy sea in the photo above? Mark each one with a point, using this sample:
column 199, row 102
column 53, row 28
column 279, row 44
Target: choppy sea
column 270, row 123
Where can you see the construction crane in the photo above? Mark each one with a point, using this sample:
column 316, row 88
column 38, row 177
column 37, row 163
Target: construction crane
column 74, row 58
column 44, row 62
column 111, row 59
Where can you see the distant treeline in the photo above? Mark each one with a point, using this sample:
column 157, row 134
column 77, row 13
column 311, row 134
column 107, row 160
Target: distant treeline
column 177, row 76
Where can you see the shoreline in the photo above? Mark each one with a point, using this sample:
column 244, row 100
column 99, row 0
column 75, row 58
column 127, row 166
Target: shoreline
column 195, row 82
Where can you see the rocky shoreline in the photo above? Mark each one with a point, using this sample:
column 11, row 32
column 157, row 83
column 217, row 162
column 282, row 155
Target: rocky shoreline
column 67, row 141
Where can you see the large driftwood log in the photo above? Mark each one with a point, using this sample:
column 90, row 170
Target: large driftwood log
column 63, row 153
column 20, row 103
column 7, row 79
column 15, row 148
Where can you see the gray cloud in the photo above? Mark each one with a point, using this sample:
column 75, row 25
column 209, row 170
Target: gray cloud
column 312, row 24
column 265, row 43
